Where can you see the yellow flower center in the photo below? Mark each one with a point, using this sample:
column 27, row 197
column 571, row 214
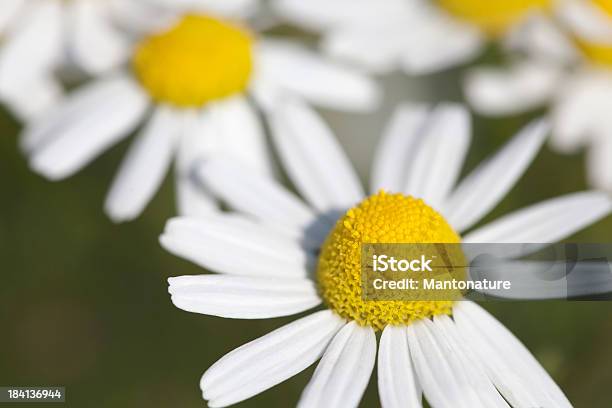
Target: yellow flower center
column 200, row 59
column 381, row 218
column 605, row 5
column 495, row 17
column 596, row 53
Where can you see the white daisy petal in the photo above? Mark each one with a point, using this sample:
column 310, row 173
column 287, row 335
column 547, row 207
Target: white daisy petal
column 269, row 360
column 439, row 43
column 240, row 133
column 447, row 335
column 227, row 8
column 144, row 168
column 397, row 148
column 265, row 92
column 344, row 371
column 397, row 383
column 39, row 29
column 96, row 45
column 213, row 241
column 440, row 154
column 515, row 372
column 572, row 119
column 548, row 221
column 540, row 36
column 599, row 163
column 197, row 141
column 313, row 158
column 192, row 200
column 242, row 190
column 582, row 103
column 361, row 45
column 8, row 11
column 509, row 377
column 90, row 121
column 523, row 87
column 317, row 80
column 586, row 19
column 306, row 14
column 138, row 18
column 486, row 185
column 322, row 14
column 239, row 297
column 34, row 100
column 439, row 373
column 229, row 129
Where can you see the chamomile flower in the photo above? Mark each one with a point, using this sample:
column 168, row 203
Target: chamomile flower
column 577, row 83
column 38, row 37
column 455, row 353
column 419, row 36
column 189, row 83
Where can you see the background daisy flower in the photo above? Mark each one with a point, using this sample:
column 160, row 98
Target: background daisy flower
column 453, row 352
column 196, row 86
column 81, row 34
column 572, row 71
column 417, row 36
column 88, row 36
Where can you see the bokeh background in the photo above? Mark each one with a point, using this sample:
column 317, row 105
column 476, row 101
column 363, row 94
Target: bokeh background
column 84, row 303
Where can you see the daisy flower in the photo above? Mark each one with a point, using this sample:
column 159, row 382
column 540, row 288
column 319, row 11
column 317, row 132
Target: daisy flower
column 79, row 33
column 577, row 84
column 418, row 36
column 86, row 36
column 454, row 353
column 193, row 85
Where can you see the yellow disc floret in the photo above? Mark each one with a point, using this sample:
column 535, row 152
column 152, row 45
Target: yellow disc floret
column 381, row 218
column 604, row 5
column 493, row 16
column 200, row 59
column 596, row 53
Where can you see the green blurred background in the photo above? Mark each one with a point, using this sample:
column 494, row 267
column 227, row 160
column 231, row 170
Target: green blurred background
column 84, row 303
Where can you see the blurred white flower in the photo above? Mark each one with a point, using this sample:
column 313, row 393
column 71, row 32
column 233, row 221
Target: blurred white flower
column 41, row 36
column 572, row 71
column 418, row 36
column 267, row 250
column 200, row 75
